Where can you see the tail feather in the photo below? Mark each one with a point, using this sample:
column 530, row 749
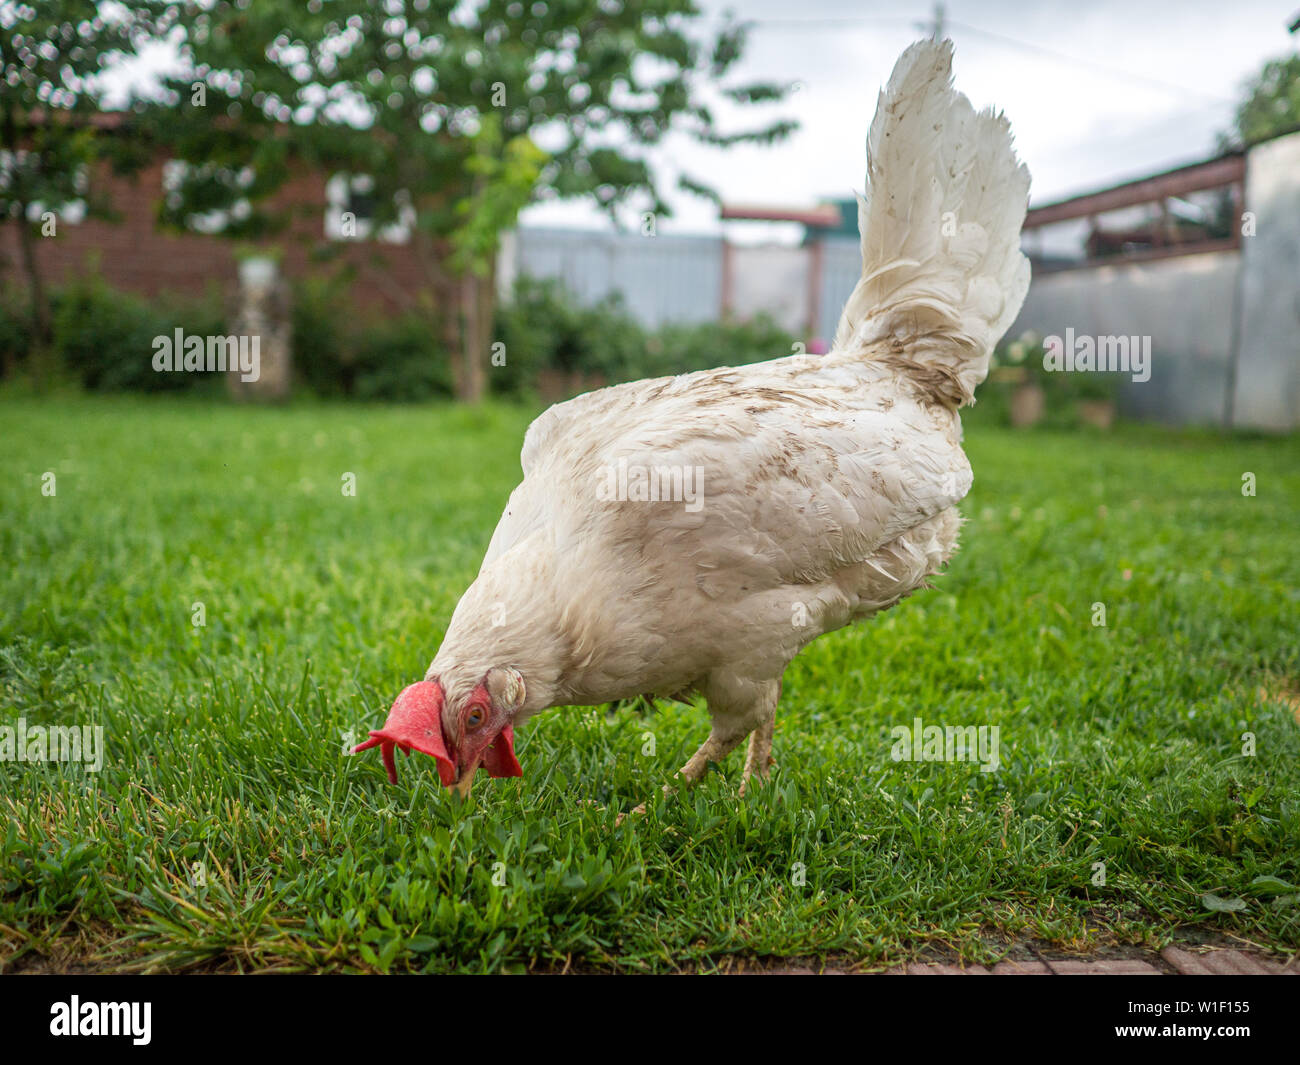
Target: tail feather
column 942, row 269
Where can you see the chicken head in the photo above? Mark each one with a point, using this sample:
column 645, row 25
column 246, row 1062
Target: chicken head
column 477, row 732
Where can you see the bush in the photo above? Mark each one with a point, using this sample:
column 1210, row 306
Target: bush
column 337, row 352
column 682, row 348
column 544, row 328
column 1020, row 362
column 15, row 328
column 322, row 358
column 401, row 359
column 106, row 338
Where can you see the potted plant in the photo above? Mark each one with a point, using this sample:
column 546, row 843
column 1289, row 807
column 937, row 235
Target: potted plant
column 1094, row 398
column 1018, row 367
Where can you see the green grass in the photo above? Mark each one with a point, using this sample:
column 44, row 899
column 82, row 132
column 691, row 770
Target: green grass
column 1120, row 744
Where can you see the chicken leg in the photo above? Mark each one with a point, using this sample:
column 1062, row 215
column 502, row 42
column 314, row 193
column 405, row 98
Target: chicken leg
column 756, row 719
column 758, row 760
column 739, row 708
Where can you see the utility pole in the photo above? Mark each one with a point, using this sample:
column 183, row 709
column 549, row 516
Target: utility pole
column 936, row 26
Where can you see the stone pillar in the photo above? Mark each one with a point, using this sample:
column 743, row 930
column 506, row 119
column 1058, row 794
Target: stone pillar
column 262, row 324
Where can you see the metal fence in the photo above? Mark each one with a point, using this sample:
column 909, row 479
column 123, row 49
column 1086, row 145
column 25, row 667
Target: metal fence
column 841, row 268
column 661, row 279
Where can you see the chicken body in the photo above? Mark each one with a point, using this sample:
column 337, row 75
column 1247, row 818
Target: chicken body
column 804, row 493
column 825, row 493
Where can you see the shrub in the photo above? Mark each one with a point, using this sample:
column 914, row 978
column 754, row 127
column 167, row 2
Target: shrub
column 337, row 352
column 400, row 359
column 1020, row 362
column 15, row 328
column 543, row 327
column 106, row 338
column 322, row 358
column 682, row 348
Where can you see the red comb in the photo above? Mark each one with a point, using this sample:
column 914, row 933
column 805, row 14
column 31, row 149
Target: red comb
column 415, row 723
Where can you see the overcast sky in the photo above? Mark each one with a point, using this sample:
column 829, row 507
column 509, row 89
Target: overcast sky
column 1097, row 91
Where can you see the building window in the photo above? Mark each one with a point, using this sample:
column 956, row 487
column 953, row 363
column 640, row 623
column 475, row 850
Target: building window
column 350, row 211
column 72, row 212
column 220, row 179
column 1182, row 212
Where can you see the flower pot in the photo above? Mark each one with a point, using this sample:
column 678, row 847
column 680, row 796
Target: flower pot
column 1028, row 404
column 555, row 385
column 1098, row 412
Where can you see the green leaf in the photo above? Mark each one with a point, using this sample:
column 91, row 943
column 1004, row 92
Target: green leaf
column 1271, row 885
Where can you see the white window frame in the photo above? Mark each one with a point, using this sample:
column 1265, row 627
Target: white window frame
column 209, row 223
column 73, row 212
column 339, row 189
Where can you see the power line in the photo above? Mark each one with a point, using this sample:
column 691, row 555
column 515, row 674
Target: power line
column 936, row 28
column 943, row 23
column 817, row 23
column 1102, row 68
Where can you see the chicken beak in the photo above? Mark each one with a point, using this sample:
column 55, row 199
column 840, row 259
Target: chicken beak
column 466, row 781
column 498, row 758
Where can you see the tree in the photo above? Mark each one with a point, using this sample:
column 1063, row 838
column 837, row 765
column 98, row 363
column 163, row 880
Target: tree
column 51, row 139
column 446, row 108
column 1272, row 104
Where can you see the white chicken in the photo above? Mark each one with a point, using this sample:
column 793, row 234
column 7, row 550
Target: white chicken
column 692, row 534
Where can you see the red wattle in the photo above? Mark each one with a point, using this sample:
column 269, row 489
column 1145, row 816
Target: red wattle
column 499, row 759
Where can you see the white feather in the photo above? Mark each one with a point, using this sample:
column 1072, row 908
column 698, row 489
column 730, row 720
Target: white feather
column 940, row 222
column 828, row 484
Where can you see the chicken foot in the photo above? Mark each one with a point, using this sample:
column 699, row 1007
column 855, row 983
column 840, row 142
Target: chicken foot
column 739, row 708
column 758, row 759
column 714, row 749
column 755, row 718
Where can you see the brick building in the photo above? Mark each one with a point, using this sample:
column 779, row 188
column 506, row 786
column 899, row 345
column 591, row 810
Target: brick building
column 137, row 254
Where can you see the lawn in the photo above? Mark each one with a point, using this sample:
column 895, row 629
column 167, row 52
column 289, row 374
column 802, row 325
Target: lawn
column 228, row 829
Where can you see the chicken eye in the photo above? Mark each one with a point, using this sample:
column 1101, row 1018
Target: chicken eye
column 475, row 718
